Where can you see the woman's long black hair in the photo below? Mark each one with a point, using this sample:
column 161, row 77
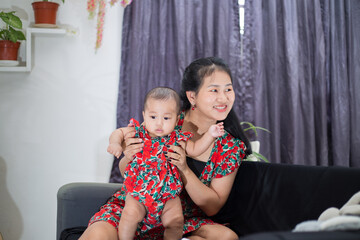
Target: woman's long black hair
column 192, row 81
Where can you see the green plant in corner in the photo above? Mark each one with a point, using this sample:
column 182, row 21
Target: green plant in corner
column 255, row 156
column 12, row 22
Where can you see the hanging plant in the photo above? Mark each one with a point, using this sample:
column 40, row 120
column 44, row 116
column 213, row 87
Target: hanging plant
column 97, row 8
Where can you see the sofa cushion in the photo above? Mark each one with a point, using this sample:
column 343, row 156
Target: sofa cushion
column 276, row 197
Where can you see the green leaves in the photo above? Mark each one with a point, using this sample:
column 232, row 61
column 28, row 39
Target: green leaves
column 254, row 128
column 10, row 19
column 12, row 22
column 16, row 35
column 255, row 156
column 260, row 157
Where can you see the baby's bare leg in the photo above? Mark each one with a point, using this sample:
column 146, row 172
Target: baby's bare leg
column 133, row 213
column 173, row 219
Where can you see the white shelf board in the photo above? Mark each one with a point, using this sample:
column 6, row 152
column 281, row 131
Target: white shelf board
column 20, row 68
column 46, row 31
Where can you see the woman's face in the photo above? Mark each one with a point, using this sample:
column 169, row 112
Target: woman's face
column 216, row 96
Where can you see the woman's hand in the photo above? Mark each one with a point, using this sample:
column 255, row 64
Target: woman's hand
column 133, row 145
column 178, row 158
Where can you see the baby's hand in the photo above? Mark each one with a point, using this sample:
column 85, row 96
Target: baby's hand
column 115, row 149
column 217, row 130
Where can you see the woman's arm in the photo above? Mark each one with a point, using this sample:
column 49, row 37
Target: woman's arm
column 210, row 199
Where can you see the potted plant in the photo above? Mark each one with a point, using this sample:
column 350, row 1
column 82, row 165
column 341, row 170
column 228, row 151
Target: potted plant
column 9, row 36
column 45, row 13
column 255, row 145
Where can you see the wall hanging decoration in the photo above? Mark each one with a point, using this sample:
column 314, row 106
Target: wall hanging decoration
column 97, row 8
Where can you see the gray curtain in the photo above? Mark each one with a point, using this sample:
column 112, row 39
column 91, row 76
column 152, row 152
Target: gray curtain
column 302, row 65
column 161, row 37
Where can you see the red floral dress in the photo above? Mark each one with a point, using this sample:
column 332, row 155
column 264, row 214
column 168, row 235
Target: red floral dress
column 224, row 159
column 149, row 177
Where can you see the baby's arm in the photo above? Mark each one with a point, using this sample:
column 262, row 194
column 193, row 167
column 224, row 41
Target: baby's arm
column 116, row 140
column 194, row 149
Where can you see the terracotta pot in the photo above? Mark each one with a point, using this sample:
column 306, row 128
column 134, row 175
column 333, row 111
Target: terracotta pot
column 9, row 50
column 45, row 12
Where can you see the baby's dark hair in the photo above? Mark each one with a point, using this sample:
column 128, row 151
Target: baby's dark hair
column 163, row 93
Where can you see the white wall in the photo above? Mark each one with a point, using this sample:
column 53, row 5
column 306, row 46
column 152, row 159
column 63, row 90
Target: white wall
column 55, row 121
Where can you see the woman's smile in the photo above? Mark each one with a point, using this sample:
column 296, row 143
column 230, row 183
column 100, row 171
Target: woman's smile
column 221, row 108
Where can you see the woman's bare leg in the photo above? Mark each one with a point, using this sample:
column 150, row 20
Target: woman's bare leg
column 100, row 231
column 133, row 213
column 172, row 219
column 213, row 232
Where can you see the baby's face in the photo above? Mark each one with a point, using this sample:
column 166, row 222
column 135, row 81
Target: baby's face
column 160, row 117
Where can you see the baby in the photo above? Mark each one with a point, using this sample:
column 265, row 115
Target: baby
column 150, row 181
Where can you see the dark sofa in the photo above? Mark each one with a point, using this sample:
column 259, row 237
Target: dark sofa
column 266, row 203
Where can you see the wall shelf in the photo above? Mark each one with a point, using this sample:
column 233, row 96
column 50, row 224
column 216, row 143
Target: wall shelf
column 31, row 33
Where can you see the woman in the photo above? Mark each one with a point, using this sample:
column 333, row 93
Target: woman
column 208, row 97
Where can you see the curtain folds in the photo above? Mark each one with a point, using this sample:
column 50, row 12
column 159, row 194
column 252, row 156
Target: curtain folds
column 303, row 63
column 160, row 38
column 297, row 73
column 343, row 55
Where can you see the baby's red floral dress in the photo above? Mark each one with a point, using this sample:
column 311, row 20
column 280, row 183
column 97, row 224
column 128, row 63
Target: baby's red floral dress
column 224, row 159
column 149, row 177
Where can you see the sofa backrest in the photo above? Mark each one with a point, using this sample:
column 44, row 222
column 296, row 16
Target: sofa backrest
column 77, row 202
column 276, row 197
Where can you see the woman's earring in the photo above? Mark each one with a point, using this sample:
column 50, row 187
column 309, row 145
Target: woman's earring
column 193, row 107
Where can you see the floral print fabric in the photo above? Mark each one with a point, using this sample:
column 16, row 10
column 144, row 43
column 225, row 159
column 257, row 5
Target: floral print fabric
column 224, row 159
column 149, row 177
